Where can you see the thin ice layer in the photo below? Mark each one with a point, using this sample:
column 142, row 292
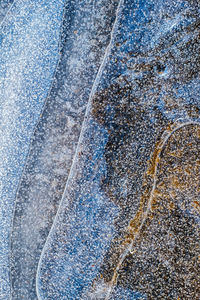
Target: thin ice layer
column 149, row 80
column 5, row 6
column 85, row 35
column 29, row 47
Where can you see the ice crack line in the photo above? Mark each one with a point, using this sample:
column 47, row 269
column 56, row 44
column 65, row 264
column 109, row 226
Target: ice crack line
column 84, row 126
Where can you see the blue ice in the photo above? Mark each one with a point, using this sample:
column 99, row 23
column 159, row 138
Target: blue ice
column 29, row 51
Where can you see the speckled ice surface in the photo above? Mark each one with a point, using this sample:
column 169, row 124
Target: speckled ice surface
column 5, row 6
column 85, row 36
column 29, row 44
column 107, row 206
column 148, row 81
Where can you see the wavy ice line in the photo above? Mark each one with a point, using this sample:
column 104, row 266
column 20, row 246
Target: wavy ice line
column 36, row 125
column 84, row 125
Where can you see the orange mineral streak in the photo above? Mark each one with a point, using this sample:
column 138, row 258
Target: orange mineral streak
column 135, row 224
column 155, row 159
column 196, row 205
column 150, row 198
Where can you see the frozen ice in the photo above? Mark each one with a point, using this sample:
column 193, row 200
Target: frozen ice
column 85, row 35
column 100, row 145
column 5, row 6
column 29, row 51
column 130, row 112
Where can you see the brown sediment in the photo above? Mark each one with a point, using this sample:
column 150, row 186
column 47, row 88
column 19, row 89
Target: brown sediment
column 126, row 116
column 132, row 101
column 120, row 112
column 159, row 202
column 175, row 180
column 163, row 205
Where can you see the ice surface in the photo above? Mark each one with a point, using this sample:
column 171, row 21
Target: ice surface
column 99, row 147
column 29, row 47
column 5, row 6
column 148, row 81
column 85, row 35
